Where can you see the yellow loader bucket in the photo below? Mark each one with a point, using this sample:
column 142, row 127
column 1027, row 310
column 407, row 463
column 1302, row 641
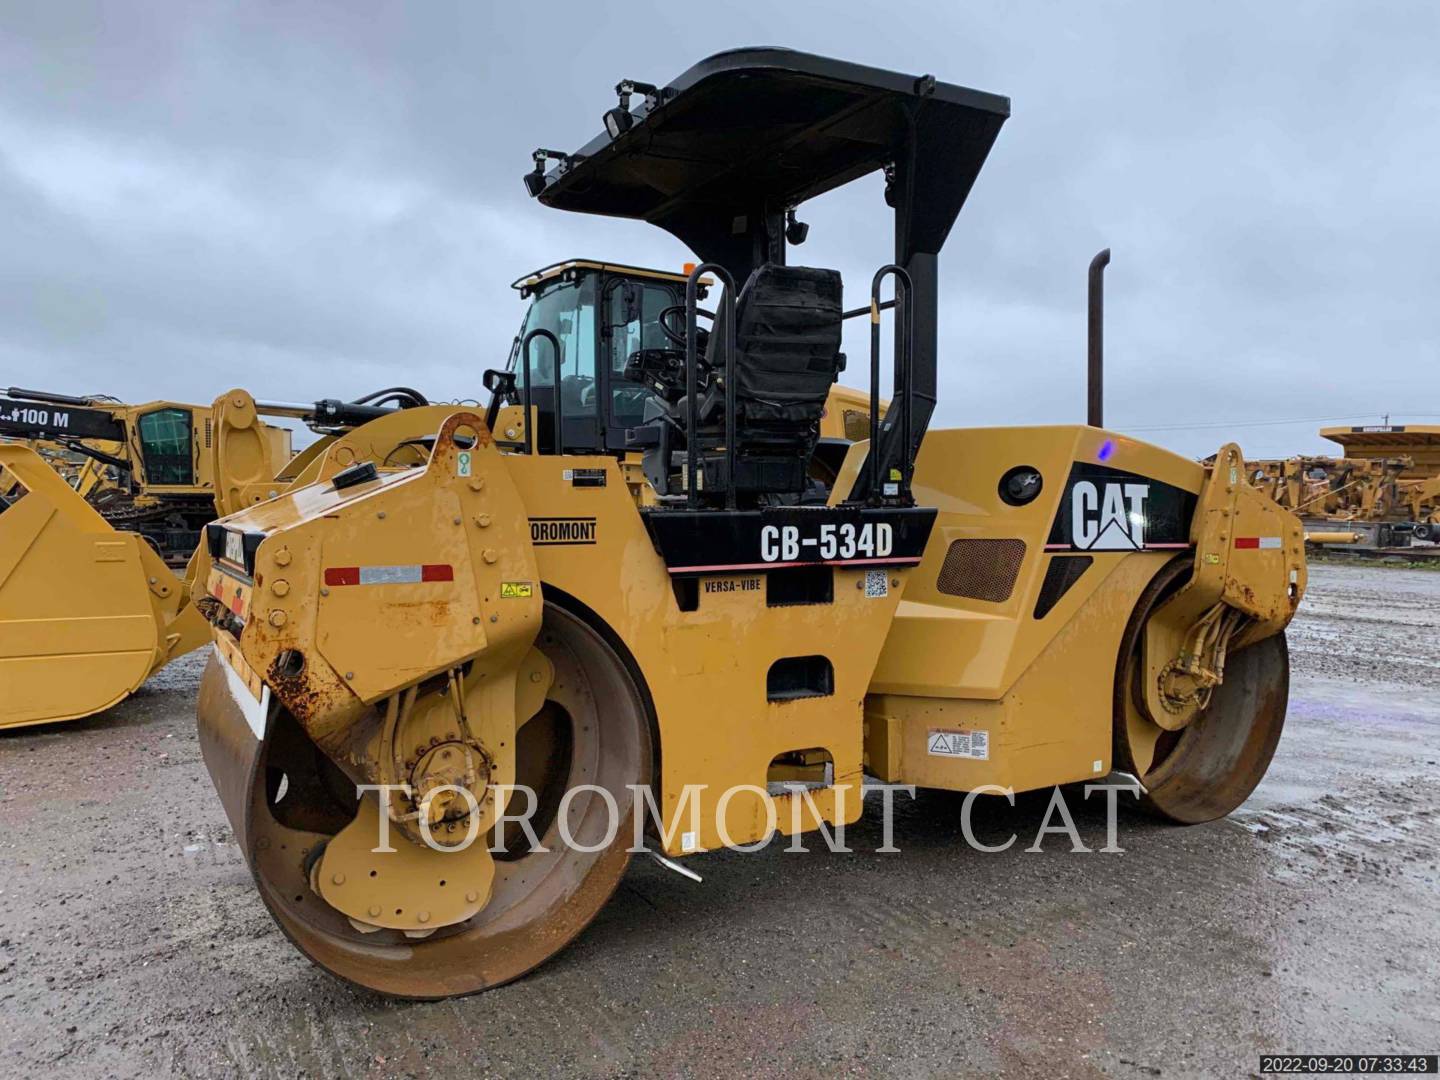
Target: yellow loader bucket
column 86, row 613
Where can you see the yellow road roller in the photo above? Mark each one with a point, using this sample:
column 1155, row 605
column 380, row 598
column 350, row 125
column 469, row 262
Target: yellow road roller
column 651, row 576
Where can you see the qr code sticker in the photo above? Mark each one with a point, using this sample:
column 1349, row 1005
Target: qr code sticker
column 877, row 583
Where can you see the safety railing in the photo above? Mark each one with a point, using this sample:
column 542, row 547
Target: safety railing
column 525, row 395
column 902, row 401
column 723, row 324
column 903, row 395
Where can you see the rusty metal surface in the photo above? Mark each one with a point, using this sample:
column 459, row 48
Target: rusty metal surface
column 229, row 747
column 1207, row 767
column 540, row 900
column 1246, row 580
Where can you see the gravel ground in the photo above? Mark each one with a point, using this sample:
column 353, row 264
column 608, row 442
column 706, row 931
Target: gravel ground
column 132, row 942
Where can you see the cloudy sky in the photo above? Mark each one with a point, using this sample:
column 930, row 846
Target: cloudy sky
column 318, row 199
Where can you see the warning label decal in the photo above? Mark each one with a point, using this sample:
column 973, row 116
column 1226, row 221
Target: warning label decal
column 974, row 745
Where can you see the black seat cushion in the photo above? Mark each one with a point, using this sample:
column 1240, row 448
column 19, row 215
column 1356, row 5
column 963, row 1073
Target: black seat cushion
column 787, row 337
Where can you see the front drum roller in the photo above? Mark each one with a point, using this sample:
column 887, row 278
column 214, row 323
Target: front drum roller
column 594, row 729
column 1209, row 767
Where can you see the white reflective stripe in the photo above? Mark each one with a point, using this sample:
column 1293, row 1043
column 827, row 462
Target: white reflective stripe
column 390, row 575
column 254, row 711
column 1269, row 541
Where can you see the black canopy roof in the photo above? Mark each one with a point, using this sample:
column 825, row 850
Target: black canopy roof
column 717, row 156
column 746, row 134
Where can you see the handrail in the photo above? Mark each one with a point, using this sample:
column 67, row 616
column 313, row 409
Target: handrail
column 724, row 324
column 541, row 332
column 904, row 362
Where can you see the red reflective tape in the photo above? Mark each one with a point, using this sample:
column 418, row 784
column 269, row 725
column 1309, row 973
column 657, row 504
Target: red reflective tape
column 1247, row 541
column 389, row 575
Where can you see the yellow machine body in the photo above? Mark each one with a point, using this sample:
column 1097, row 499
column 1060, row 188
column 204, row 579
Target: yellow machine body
column 1383, row 494
column 327, row 614
column 87, row 613
column 705, row 670
column 1001, row 638
column 667, row 570
column 89, row 610
column 1420, row 443
column 168, row 449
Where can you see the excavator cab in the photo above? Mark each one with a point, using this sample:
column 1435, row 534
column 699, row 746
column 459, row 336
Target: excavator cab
column 166, row 435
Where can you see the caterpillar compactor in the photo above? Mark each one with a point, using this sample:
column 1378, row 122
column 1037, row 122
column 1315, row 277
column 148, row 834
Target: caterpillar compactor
column 91, row 604
column 644, row 579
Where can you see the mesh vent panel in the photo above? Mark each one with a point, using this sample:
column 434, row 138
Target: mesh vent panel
column 981, row 569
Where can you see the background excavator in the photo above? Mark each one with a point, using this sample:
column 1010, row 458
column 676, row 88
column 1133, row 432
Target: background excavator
column 91, row 603
column 147, row 469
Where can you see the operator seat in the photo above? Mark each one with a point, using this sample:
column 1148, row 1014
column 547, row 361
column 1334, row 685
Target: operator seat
column 787, row 355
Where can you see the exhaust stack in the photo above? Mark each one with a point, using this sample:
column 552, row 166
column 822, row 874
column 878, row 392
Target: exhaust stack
column 1095, row 415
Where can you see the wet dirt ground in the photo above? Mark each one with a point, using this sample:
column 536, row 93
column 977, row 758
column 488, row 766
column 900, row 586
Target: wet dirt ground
column 132, row 942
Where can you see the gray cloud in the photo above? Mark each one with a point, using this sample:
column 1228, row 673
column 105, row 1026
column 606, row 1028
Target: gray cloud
column 320, row 199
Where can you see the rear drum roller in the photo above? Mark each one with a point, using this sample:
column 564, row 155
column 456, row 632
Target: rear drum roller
column 593, row 729
column 1206, row 769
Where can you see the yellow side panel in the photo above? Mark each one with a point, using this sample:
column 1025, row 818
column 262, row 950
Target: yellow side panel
column 1053, row 726
column 417, row 621
column 953, row 646
column 706, row 669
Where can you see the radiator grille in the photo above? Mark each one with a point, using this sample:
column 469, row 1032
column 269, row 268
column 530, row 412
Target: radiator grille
column 981, row 569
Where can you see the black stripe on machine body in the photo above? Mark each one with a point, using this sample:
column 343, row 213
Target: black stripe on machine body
column 41, row 419
column 733, row 541
column 1062, row 572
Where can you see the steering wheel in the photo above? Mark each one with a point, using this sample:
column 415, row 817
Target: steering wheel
column 702, row 334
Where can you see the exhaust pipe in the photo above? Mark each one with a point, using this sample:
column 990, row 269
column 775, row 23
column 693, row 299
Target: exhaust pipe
column 1095, row 414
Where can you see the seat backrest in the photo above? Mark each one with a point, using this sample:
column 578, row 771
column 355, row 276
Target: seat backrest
column 787, row 342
